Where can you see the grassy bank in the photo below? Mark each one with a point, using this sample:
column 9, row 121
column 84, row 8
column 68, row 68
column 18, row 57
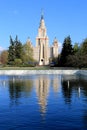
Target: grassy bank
column 25, row 68
column 38, row 68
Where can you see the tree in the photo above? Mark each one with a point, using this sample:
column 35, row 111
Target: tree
column 76, row 48
column 17, row 62
column 27, row 53
column 15, row 50
column 4, row 57
column 18, row 48
column 11, row 52
column 66, row 51
column 84, row 46
column 79, row 58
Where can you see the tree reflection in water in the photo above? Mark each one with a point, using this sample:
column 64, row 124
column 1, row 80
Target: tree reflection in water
column 73, row 85
column 36, row 94
column 67, row 91
column 78, row 86
column 19, row 88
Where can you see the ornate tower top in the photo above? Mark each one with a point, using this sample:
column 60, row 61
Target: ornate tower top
column 55, row 42
column 42, row 32
column 42, row 15
column 42, row 22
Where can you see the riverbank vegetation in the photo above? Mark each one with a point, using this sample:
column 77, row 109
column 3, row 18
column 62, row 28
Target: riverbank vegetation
column 72, row 55
column 17, row 55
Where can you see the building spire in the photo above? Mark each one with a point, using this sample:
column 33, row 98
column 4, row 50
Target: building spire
column 42, row 22
column 42, row 14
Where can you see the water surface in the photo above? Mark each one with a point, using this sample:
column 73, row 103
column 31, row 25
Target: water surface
column 46, row 102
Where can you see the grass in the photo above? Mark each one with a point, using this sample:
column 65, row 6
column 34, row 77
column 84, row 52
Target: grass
column 39, row 68
column 26, row 68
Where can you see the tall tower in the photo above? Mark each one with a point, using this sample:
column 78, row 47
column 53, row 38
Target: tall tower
column 42, row 41
column 55, row 48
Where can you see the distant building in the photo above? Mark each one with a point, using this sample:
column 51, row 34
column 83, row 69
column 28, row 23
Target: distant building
column 42, row 52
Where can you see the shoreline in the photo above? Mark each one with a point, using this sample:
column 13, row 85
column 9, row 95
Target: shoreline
column 28, row 72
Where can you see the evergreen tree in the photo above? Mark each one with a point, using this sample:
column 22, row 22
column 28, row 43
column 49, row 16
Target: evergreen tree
column 79, row 57
column 84, row 46
column 76, row 48
column 15, row 50
column 11, row 52
column 66, row 51
column 18, row 48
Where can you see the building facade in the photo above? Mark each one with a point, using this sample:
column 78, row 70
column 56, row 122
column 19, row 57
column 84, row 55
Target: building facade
column 42, row 52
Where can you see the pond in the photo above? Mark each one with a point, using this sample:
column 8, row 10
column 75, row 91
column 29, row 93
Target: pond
column 46, row 102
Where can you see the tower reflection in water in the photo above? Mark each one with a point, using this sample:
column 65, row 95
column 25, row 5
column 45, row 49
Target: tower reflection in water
column 42, row 90
column 42, row 85
column 22, row 87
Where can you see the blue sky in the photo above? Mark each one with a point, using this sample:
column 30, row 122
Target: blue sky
column 62, row 18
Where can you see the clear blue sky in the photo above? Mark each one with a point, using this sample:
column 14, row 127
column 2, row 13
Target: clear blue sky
column 62, row 18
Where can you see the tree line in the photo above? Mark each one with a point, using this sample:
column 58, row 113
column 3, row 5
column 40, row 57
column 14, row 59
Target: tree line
column 72, row 55
column 18, row 54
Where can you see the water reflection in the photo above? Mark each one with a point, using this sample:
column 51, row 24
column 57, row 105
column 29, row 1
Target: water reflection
column 73, row 85
column 67, row 90
column 36, row 93
column 85, row 117
column 43, row 84
column 19, row 88
column 42, row 90
column 55, row 83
